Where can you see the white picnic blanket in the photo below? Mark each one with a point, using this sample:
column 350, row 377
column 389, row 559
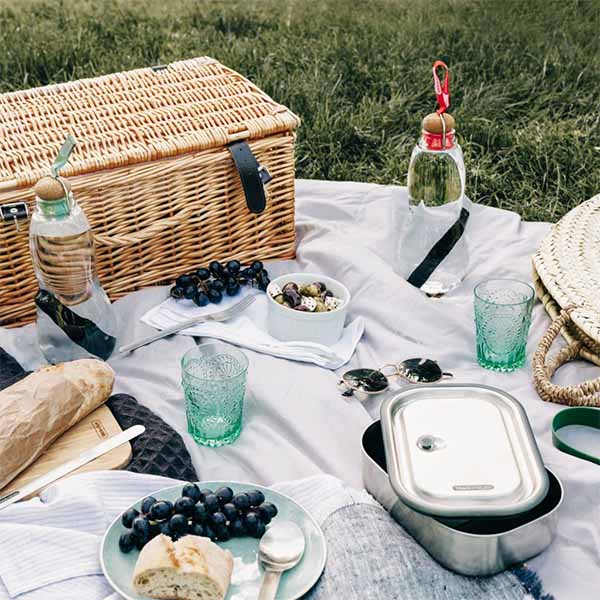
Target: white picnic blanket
column 297, row 425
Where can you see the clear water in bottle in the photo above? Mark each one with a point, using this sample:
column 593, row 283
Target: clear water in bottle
column 75, row 318
column 436, row 183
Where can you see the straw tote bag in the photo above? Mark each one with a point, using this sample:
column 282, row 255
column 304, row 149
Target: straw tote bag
column 567, row 281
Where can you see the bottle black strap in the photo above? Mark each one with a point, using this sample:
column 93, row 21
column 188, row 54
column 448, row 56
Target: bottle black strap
column 78, row 329
column 440, row 250
column 252, row 175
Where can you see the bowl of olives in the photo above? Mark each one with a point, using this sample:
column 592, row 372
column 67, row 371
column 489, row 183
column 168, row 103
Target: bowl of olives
column 306, row 307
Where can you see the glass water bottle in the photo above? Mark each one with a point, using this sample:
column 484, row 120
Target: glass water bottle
column 433, row 253
column 75, row 318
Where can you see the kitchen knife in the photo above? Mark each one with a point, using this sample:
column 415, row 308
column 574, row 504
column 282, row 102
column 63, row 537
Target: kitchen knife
column 71, row 465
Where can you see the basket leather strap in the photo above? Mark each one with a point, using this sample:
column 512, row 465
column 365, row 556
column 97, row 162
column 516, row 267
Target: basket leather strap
column 251, row 176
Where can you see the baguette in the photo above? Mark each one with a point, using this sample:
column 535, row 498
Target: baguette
column 192, row 568
column 38, row 409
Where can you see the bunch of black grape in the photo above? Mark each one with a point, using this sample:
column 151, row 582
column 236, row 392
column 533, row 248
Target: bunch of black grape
column 209, row 284
column 219, row 515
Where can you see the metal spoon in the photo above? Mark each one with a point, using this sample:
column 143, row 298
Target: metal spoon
column 280, row 549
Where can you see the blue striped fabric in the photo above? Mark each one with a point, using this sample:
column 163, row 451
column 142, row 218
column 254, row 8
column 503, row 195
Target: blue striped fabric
column 49, row 547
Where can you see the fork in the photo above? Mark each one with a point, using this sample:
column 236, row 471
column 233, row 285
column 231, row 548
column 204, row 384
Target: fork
column 224, row 315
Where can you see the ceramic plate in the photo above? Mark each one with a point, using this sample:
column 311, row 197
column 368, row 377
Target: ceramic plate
column 245, row 580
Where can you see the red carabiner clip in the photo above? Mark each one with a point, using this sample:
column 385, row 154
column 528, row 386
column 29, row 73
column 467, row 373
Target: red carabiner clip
column 442, row 90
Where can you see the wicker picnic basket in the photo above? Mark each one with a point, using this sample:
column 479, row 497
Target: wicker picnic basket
column 567, row 281
column 171, row 168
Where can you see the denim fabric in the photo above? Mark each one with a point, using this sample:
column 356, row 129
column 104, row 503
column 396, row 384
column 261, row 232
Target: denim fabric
column 370, row 557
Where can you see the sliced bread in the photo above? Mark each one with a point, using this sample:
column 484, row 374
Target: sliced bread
column 192, row 568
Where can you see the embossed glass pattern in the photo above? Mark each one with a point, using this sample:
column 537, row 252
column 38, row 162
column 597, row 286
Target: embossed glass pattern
column 502, row 318
column 213, row 376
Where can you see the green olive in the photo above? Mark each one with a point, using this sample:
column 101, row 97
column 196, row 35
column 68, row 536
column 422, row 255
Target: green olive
column 320, row 306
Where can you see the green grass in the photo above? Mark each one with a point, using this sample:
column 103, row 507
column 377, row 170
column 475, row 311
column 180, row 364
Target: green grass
column 525, row 78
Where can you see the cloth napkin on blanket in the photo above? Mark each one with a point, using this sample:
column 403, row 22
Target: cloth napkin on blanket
column 49, row 547
column 250, row 330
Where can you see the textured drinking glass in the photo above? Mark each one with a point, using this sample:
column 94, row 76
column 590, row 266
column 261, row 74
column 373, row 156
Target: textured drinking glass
column 502, row 318
column 213, row 376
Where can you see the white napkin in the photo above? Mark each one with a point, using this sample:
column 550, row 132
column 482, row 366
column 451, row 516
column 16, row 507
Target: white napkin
column 50, row 546
column 250, row 330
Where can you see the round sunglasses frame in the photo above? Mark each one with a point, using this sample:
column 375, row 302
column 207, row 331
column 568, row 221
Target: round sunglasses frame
column 363, row 383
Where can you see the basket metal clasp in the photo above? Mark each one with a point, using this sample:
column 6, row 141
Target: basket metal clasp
column 15, row 212
column 265, row 176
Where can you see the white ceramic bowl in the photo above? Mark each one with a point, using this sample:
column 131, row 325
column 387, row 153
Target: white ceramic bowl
column 291, row 325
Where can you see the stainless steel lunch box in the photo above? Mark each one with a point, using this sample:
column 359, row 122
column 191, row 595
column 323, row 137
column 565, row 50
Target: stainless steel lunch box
column 461, row 450
column 469, row 546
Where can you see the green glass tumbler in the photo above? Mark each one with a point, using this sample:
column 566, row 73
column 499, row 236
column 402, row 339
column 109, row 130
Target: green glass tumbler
column 502, row 319
column 213, row 376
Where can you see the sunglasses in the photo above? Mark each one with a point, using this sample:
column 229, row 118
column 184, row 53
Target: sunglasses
column 363, row 383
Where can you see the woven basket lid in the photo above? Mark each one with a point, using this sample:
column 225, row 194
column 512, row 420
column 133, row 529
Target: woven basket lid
column 133, row 117
column 568, row 263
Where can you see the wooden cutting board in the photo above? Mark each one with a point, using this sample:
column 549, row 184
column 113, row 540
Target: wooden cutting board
column 98, row 426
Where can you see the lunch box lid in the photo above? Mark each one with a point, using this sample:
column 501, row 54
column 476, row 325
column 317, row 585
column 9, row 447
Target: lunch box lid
column 457, row 450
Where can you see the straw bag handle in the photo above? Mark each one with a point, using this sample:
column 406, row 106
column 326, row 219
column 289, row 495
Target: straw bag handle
column 583, row 394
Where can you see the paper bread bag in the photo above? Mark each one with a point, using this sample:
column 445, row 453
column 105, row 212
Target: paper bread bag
column 38, row 409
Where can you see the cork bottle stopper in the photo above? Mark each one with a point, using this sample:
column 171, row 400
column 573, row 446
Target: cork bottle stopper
column 432, row 123
column 50, row 188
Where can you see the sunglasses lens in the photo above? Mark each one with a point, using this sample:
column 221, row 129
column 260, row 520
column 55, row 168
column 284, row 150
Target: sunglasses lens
column 367, row 380
column 421, row 370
